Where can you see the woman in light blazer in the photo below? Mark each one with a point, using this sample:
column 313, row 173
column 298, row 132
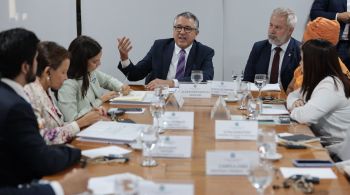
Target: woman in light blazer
column 86, row 86
column 53, row 62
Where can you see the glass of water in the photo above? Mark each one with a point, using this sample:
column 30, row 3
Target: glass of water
column 196, row 77
column 157, row 110
column 260, row 82
column 149, row 138
column 266, row 143
column 242, row 92
column 260, row 176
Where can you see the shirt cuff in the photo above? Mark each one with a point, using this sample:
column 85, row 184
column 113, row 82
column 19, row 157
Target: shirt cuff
column 125, row 63
column 176, row 83
column 336, row 17
column 57, row 188
column 75, row 126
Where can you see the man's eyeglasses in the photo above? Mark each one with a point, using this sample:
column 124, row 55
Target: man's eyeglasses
column 187, row 29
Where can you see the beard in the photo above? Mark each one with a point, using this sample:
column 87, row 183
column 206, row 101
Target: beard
column 274, row 40
column 30, row 77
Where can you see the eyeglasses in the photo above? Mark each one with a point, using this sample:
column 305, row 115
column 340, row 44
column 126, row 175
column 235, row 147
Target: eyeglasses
column 187, row 29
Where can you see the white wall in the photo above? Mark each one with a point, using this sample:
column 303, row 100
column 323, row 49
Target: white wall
column 50, row 19
column 230, row 27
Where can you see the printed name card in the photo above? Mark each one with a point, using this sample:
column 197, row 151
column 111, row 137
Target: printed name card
column 221, row 87
column 173, row 147
column 195, row 91
column 179, row 120
column 150, row 187
column 236, row 130
column 229, row 162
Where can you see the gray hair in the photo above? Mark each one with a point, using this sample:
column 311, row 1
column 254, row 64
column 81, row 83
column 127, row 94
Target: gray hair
column 288, row 14
column 189, row 15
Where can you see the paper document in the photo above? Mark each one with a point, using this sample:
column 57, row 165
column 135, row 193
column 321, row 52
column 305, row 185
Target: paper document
column 132, row 96
column 105, row 151
column 110, row 130
column 273, row 109
column 322, row 173
column 267, row 87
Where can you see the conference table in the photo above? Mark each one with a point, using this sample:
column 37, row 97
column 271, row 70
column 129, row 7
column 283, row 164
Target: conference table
column 193, row 170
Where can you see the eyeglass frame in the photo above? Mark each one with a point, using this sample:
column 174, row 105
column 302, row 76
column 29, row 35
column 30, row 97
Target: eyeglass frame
column 187, row 29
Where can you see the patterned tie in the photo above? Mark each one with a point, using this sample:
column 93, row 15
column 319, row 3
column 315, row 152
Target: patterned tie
column 180, row 70
column 275, row 66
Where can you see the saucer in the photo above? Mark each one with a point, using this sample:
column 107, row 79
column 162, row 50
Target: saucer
column 275, row 156
column 135, row 146
column 230, row 100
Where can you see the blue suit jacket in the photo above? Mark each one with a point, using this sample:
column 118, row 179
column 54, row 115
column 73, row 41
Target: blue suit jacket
column 259, row 58
column 24, row 153
column 44, row 189
column 157, row 62
column 328, row 9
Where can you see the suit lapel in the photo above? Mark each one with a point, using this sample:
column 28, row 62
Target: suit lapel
column 168, row 55
column 190, row 59
column 288, row 55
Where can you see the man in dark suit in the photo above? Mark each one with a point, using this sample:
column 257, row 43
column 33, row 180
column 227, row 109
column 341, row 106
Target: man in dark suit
column 279, row 55
column 336, row 10
column 170, row 60
column 73, row 183
column 24, row 153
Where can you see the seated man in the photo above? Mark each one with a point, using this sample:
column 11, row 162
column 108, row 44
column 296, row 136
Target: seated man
column 170, row 60
column 279, row 55
column 24, row 153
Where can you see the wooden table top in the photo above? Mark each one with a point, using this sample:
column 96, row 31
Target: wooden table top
column 193, row 170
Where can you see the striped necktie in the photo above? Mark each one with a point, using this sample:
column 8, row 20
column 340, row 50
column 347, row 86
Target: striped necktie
column 180, row 70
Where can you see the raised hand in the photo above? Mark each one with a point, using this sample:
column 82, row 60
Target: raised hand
column 124, row 46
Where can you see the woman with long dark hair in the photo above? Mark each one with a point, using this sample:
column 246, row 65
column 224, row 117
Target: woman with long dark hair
column 85, row 88
column 323, row 99
column 53, row 63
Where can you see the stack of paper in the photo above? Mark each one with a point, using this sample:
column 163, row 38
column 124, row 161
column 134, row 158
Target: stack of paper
column 274, row 109
column 135, row 97
column 132, row 96
column 110, row 131
column 105, row 151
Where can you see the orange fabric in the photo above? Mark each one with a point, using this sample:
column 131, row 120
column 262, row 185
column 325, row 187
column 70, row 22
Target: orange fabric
column 322, row 28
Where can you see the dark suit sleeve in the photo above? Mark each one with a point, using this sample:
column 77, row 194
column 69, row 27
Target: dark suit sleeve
column 140, row 70
column 320, row 9
column 38, row 189
column 249, row 71
column 31, row 153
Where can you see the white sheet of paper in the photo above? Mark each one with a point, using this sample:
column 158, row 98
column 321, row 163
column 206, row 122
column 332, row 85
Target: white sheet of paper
column 105, row 151
column 267, row 87
column 195, row 91
column 221, row 87
column 179, row 120
column 274, row 109
column 174, row 147
column 229, row 162
column 110, row 130
column 148, row 187
column 179, row 99
column 236, row 130
column 322, row 173
column 106, row 184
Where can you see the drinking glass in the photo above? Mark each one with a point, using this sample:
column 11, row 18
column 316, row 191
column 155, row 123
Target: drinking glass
column 266, row 143
column 252, row 109
column 260, row 176
column 161, row 91
column 196, row 77
column 242, row 92
column 149, row 137
column 157, row 110
column 260, row 82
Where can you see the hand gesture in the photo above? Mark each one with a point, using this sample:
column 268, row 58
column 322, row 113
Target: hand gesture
column 108, row 95
column 125, row 89
column 124, row 46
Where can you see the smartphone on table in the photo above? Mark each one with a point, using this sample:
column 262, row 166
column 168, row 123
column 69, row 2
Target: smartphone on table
column 312, row 163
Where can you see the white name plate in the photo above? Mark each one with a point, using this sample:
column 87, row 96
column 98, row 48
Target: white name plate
column 179, row 120
column 173, row 147
column 149, row 187
column 236, row 130
column 195, row 91
column 229, row 162
column 221, row 87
